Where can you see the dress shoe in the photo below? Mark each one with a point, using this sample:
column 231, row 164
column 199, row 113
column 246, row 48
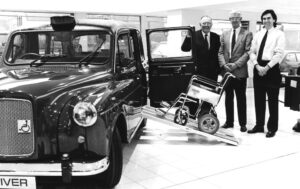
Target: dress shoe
column 243, row 128
column 226, row 126
column 256, row 130
column 270, row 134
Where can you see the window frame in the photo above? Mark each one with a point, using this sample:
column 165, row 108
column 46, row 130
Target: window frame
column 132, row 66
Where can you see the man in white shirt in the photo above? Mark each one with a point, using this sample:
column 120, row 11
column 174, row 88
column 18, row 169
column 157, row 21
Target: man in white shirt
column 266, row 51
column 233, row 57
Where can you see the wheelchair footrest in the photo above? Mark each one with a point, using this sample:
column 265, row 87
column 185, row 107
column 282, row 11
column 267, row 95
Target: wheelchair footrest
column 165, row 104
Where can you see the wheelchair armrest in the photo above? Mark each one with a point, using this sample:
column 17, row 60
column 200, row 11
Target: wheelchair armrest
column 203, row 79
column 204, row 82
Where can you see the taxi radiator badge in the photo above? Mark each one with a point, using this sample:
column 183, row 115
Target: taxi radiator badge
column 24, row 126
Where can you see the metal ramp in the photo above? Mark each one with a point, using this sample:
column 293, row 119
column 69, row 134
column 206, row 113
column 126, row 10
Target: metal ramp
column 192, row 126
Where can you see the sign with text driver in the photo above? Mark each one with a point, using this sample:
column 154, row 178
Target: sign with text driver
column 13, row 182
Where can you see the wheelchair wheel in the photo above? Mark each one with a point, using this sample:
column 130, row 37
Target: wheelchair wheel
column 181, row 116
column 208, row 123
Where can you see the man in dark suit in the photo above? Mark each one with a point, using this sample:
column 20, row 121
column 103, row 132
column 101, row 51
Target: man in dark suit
column 207, row 48
column 233, row 57
column 207, row 45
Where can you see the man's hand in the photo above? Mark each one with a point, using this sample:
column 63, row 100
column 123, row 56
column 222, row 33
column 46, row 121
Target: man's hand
column 227, row 68
column 262, row 70
column 232, row 66
column 266, row 69
column 259, row 70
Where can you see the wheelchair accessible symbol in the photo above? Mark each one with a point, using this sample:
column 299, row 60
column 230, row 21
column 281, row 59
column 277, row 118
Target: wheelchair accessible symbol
column 24, row 126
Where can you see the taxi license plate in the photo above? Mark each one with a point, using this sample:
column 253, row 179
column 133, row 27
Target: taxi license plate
column 13, row 182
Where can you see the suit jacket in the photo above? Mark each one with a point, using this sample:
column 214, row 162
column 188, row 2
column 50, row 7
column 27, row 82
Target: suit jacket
column 239, row 55
column 206, row 59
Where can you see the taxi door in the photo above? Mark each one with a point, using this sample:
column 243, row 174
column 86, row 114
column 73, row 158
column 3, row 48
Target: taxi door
column 170, row 68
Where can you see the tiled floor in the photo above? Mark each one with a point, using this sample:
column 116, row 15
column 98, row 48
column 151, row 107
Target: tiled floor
column 165, row 157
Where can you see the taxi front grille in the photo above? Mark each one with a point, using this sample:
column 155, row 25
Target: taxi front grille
column 16, row 127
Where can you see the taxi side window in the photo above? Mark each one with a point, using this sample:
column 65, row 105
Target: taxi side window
column 18, row 48
column 125, row 52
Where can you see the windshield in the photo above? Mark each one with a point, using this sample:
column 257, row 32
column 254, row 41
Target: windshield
column 62, row 47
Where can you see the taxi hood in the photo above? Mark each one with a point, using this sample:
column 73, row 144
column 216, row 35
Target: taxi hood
column 38, row 83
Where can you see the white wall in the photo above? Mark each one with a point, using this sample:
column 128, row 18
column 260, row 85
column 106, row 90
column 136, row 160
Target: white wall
column 174, row 18
column 192, row 16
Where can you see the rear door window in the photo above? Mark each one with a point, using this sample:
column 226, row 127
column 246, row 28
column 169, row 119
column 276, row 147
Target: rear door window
column 167, row 44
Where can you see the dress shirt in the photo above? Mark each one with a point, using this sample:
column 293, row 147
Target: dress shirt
column 208, row 38
column 274, row 47
column 237, row 31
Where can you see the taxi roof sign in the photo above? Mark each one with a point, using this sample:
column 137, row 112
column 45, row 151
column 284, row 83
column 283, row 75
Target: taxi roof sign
column 63, row 23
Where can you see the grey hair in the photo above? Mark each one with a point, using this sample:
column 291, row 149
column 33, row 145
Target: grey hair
column 206, row 16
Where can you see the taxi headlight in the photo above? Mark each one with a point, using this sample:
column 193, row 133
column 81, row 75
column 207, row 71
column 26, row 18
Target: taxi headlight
column 84, row 114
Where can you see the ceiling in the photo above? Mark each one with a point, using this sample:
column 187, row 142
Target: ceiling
column 280, row 6
column 150, row 7
column 111, row 6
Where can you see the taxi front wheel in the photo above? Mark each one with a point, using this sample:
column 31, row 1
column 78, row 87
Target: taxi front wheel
column 112, row 175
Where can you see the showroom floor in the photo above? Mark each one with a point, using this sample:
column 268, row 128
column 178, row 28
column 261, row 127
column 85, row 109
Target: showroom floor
column 166, row 157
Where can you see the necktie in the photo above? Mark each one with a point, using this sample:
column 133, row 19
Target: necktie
column 262, row 45
column 233, row 41
column 206, row 42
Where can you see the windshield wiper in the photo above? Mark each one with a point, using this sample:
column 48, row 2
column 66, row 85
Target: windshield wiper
column 44, row 58
column 87, row 59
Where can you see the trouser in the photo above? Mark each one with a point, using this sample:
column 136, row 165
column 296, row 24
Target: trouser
column 237, row 86
column 267, row 85
column 260, row 93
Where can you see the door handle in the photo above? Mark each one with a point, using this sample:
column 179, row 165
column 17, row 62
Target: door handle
column 177, row 70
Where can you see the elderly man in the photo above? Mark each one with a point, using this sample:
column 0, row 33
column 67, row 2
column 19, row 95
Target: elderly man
column 207, row 47
column 233, row 57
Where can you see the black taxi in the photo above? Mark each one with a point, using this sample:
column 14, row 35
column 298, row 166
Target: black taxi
column 72, row 91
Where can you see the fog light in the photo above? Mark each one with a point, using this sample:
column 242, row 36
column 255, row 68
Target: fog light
column 81, row 139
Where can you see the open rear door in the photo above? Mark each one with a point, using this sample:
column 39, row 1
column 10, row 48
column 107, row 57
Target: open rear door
column 170, row 68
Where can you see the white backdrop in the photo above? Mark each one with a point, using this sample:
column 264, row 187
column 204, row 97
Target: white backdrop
column 109, row 6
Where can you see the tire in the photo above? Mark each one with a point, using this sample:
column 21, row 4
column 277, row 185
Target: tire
column 208, row 123
column 181, row 116
column 112, row 175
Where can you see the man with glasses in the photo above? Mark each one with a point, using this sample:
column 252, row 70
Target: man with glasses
column 207, row 47
column 266, row 51
column 233, row 57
